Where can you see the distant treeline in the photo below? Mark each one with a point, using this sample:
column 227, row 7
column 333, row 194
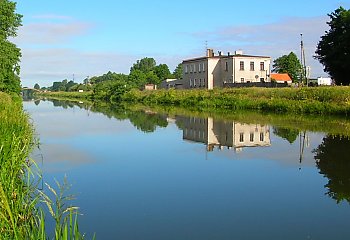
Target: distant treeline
column 111, row 86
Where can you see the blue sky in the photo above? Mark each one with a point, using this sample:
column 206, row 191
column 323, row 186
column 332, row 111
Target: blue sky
column 63, row 38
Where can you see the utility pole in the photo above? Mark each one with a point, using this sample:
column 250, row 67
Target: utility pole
column 303, row 62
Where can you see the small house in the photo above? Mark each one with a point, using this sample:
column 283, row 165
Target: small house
column 324, row 81
column 150, row 86
column 281, row 78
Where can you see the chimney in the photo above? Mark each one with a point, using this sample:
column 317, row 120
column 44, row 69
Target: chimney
column 238, row 52
column 228, row 54
column 210, row 52
column 219, row 52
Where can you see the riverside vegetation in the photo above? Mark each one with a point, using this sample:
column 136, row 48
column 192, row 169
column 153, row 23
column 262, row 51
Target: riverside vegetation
column 320, row 100
column 311, row 100
column 21, row 209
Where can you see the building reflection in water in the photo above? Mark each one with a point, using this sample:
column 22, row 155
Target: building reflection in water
column 220, row 134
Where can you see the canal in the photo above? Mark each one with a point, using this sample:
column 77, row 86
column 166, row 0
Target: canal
column 141, row 174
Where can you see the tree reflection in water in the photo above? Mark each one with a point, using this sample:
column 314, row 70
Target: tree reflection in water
column 333, row 160
column 286, row 133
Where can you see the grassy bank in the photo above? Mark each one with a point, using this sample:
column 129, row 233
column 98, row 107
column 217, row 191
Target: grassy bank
column 16, row 134
column 66, row 95
column 320, row 100
column 21, row 216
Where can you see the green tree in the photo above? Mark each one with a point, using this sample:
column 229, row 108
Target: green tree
column 162, row 71
column 36, row 86
column 59, row 86
column 151, row 77
column 333, row 50
column 288, row 64
column 137, row 78
column 144, row 65
column 178, row 71
column 56, row 86
column 9, row 53
column 110, row 90
column 110, row 76
column 69, row 85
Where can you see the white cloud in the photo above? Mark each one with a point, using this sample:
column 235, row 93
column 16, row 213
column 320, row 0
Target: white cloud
column 48, row 33
column 45, row 66
column 48, row 65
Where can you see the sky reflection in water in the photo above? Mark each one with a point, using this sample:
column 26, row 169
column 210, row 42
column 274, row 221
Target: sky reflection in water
column 141, row 175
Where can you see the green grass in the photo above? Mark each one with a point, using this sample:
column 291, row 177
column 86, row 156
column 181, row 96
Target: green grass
column 66, row 95
column 320, row 100
column 21, row 216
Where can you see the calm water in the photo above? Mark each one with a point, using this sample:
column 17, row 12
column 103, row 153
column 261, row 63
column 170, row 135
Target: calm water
column 140, row 175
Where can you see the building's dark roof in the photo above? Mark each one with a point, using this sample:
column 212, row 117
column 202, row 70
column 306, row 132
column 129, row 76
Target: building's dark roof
column 224, row 56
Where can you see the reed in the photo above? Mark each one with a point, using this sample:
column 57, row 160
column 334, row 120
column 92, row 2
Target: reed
column 21, row 215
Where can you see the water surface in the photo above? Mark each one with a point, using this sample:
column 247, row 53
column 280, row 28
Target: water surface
column 143, row 175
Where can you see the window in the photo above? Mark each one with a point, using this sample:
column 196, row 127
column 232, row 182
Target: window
column 241, row 65
column 226, row 66
column 199, row 67
column 200, row 82
column 251, row 66
column 195, row 82
column 262, row 66
column 241, row 137
column 252, row 137
column 186, row 69
column 261, row 137
column 242, row 80
column 194, row 67
column 262, row 80
column 203, row 67
column 204, row 82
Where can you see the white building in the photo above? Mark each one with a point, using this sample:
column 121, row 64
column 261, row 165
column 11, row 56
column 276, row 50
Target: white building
column 324, row 81
column 214, row 71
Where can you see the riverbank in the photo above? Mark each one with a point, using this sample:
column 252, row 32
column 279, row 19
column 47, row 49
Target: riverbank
column 21, row 215
column 65, row 95
column 16, row 142
column 312, row 100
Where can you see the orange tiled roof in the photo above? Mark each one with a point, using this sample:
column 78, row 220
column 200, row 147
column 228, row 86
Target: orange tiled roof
column 281, row 76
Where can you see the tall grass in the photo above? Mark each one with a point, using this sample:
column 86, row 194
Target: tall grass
column 21, row 216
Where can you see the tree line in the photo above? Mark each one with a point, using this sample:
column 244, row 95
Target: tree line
column 111, row 85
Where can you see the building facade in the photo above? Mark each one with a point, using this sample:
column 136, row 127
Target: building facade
column 215, row 71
